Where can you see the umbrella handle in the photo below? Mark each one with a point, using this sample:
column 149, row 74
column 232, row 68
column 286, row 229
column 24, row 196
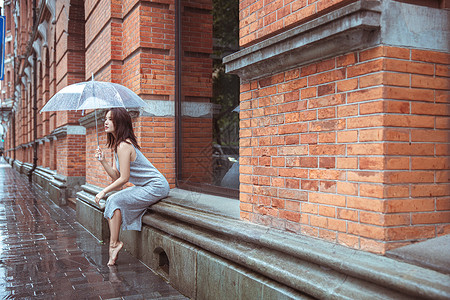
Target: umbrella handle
column 96, row 131
column 100, row 157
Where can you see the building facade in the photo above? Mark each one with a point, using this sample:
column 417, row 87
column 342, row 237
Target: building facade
column 281, row 126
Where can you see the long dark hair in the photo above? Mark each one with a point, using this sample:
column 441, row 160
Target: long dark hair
column 123, row 129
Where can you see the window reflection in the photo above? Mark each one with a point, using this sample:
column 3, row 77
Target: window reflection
column 209, row 96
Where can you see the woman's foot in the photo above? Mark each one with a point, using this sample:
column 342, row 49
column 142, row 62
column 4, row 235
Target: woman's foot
column 114, row 253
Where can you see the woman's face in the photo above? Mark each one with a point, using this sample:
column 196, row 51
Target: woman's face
column 109, row 125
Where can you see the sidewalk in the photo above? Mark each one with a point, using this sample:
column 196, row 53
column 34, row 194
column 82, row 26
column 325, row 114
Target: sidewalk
column 46, row 254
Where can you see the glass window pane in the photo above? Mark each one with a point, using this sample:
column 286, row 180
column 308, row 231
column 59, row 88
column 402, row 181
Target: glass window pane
column 209, row 96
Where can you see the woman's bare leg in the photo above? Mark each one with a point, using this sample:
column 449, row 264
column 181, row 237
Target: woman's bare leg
column 114, row 244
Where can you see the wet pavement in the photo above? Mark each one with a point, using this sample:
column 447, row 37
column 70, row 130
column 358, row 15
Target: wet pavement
column 46, row 254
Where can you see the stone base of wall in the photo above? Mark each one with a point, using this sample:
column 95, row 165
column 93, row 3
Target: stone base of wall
column 207, row 256
column 59, row 187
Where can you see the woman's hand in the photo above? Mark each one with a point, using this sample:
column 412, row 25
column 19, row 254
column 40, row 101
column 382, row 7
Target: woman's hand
column 99, row 154
column 99, row 196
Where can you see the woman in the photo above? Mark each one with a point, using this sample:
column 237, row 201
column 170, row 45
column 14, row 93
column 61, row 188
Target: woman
column 126, row 207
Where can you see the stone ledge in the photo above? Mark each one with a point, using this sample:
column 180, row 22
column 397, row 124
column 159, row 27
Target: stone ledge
column 307, row 265
column 353, row 27
column 87, row 195
column 352, row 273
column 206, row 203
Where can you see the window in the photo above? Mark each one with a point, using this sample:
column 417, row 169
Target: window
column 209, row 116
column 8, row 17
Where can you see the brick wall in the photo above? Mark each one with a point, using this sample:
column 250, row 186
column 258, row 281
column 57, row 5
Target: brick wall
column 353, row 149
column 95, row 174
column 156, row 137
column 261, row 18
column 132, row 43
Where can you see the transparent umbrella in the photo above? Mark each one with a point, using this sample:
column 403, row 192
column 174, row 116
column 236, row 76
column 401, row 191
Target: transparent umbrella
column 93, row 95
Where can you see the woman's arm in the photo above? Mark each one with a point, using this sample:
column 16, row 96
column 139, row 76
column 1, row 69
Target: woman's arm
column 124, row 152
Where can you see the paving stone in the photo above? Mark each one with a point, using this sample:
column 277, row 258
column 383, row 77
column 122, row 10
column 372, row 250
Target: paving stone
column 46, row 254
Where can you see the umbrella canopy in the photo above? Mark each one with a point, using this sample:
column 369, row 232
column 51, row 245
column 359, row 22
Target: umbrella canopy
column 93, row 95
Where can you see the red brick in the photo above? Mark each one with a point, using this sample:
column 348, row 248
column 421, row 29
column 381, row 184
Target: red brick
column 326, row 186
column 409, row 205
column 310, row 185
column 430, row 82
column 326, row 77
column 375, row 232
column 443, row 71
column 326, row 174
column 369, row 204
column 397, row 163
column 371, row 53
column 345, row 60
column 290, row 215
column 347, row 110
column 410, row 232
column 401, row 107
column 327, row 162
column 408, row 67
column 409, row 121
column 371, row 135
column 409, row 149
column 371, row 80
column 430, row 109
column 397, row 191
column 396, row 52
column 366, row 176
column 430, row 56
column 431, row 218
column 403, row 93
column 430, row 190
column 348, row 240
column 347, row 162
column 443, row 204
column 327, row 211
column 366, row 149
column 365, row 68
column 364, row 122
column 309, row 208
column 326, row 149
column 429, row 135
column 396, row 134
column 430, row 163
column 371, row 191
column 327, row 137
column 308, row 93
column 331, row 100
column 347, row 188
column 346, row 85
column 365, row 94
column 347, row 136
column 328, row 199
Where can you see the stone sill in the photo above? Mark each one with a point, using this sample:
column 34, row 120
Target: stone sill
column 222, row 206
column 315, row 267
column 201, row 202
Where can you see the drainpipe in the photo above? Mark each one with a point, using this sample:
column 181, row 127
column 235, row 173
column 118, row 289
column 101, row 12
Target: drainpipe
column 178, row 131
column 14, row 134
column 35, row 108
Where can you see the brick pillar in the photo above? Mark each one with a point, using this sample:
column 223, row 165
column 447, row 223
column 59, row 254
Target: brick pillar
column 343, row 137
column 133, row 44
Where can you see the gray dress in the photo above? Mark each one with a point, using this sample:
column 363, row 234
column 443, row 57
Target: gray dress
column 150, row 186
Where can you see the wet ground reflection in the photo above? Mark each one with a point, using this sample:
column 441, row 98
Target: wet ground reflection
column 46, row 254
